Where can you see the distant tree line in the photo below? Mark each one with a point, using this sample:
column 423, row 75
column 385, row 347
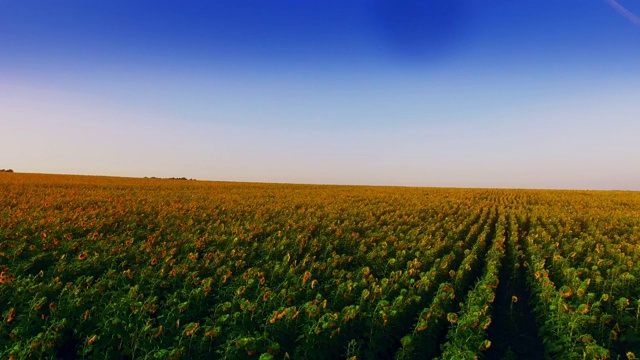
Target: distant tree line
column 171, row 178
column 6, row 170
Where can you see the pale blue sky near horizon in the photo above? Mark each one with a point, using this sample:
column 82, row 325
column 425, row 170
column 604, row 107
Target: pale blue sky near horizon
column 533, row 94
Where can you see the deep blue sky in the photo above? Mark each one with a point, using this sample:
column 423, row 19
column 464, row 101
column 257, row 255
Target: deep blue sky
column 434, row 93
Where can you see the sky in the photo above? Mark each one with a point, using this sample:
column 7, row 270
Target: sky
column 448, row 93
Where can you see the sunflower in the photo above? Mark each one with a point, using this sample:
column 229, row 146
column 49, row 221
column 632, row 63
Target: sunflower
column 485, row 345
column 313, row 310
column 306, row 276
column 82, row 256
column 12, row 314
column 565, row 291
column 92, row 339
column 211, row 333
column 583, row 309
column 191, row 328
column 452, row 317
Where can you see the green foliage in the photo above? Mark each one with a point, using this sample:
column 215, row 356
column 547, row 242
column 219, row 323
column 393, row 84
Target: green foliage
column 108, row 268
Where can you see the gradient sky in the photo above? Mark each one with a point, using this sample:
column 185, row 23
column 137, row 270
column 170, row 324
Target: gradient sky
column 484, row 93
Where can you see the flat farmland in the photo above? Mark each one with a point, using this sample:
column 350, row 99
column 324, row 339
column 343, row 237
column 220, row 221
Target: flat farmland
column 111, row 268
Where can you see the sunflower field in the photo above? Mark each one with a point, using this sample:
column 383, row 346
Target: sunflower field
column 122, row 268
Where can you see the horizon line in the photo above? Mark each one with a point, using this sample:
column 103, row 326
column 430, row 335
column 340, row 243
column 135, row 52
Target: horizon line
column 319, row 184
